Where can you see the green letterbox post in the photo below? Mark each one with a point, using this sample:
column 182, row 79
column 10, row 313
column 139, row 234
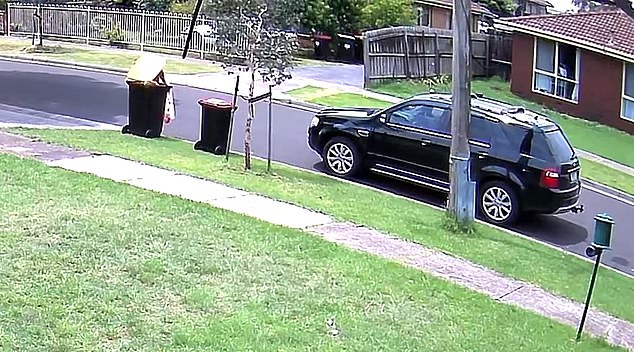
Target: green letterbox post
column 602, row 237
column 602, row 231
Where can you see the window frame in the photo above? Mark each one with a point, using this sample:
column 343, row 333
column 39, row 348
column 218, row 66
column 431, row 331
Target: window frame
column 624, row 96
column 419, row 15
column 441, row 134
column 555, row 75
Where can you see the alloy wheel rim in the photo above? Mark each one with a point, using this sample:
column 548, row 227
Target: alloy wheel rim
column 497, row 204
column 340, row 158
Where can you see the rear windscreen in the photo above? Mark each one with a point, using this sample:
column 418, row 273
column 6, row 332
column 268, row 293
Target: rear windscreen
column 559, row 146
column 550, row 146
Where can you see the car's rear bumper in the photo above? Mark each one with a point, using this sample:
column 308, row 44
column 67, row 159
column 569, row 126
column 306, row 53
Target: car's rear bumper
column 575, row 207
column 555, row 201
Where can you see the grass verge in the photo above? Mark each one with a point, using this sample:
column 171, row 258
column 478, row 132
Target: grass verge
column 526, row 260
column 110, row 58
column 334, row 98
column 608, row 176
column 145, row 272
column 305, row 62
column 591, row 170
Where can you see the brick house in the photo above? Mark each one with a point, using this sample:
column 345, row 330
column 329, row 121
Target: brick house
column 581, row 64
column 438, row 13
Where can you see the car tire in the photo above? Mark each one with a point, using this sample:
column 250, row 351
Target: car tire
column 498, row 203
column 342, row 157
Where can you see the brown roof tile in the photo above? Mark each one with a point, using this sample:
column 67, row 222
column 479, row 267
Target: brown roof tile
column 612, row 29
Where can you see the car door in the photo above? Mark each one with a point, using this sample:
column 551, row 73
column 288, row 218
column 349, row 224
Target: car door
column 412, row 142
column 481, row 131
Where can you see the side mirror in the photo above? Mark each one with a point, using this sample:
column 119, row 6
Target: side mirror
column 383, row 118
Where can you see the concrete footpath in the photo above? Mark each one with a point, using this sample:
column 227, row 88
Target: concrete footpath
column 475, row 277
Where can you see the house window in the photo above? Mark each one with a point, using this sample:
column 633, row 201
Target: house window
column 556, row 69
column 628, row 93
column 423, row 16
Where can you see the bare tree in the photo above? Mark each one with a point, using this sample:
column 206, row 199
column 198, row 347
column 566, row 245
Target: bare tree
column 250, row 44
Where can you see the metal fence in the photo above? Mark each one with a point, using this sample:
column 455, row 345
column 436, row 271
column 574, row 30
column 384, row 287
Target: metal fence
column 145, row 30
column 417, row 52
column 3, row 22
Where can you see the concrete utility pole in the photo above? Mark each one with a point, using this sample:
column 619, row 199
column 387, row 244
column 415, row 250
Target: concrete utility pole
column 462, row 190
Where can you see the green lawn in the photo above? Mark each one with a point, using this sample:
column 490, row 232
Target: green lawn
column 334, row 98
column 593, row 137
column 514, row 256
column 113, row 58
column 140, row 271
column 600, row 173
column 302, row 61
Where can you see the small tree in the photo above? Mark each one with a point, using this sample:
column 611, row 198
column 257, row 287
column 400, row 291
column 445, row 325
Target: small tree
column 500, row 7
column 386, row 13
column 244, row 31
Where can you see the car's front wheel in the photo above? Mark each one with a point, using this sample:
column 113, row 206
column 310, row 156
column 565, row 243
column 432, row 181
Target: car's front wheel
column 499, row 203
column 341, row 157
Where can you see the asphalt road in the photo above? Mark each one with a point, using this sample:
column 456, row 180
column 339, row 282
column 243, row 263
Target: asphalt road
column 46, row 95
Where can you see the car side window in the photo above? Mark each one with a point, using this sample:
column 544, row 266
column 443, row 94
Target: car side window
column 480, row 129
column 420, row 116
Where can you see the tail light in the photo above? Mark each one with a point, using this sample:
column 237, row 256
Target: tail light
column 549, row 178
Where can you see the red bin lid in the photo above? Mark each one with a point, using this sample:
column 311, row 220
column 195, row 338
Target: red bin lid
column 215, row 103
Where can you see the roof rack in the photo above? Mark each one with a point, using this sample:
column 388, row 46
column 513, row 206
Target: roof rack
column 496, row 108
column 513, row 110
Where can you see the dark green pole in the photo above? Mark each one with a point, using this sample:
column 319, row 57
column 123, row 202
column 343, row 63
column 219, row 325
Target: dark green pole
column 602, row 238
column 589, row 296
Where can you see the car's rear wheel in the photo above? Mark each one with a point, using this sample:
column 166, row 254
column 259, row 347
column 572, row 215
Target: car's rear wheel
column 341, row 157
column 499, row 203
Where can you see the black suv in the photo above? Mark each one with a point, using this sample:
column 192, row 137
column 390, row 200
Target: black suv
column 521, row 161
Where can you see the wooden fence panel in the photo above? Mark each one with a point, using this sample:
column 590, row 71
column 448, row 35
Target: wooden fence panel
column 501, row 54
column 417, row 52
column 142, row 29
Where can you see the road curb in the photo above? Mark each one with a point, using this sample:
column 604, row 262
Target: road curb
column 617, row 193
column 60, row 63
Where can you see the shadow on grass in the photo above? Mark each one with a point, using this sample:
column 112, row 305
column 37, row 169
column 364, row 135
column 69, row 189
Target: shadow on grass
column 47, row 49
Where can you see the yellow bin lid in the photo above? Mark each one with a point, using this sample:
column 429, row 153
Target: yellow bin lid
column 146, row 68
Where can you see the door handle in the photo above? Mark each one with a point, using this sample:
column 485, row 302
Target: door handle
column 424, row 142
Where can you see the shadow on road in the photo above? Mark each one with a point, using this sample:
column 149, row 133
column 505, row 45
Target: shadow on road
column 552, row 229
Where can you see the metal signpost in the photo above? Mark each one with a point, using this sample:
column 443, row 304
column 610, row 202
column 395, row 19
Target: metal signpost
column 268, row 153
column 234, row 107
column 601, row 242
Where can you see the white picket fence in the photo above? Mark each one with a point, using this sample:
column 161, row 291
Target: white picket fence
column 142, row 29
